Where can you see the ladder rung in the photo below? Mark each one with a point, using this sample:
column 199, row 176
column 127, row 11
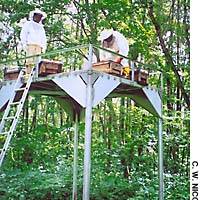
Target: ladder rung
column 20, row 89
column 4, row 133
column 11, row 117
column 15, row 103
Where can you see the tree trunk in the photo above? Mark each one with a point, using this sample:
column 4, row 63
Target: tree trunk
column 166, row 52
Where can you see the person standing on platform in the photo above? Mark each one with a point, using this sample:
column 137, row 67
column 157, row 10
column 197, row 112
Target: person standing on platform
column 114, row 41
column 33, row 38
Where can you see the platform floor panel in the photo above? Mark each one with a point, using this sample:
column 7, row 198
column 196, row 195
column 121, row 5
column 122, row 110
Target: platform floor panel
column 71, row 87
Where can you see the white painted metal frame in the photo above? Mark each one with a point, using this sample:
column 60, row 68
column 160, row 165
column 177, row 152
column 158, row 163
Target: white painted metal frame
column 160, row 146
column 75, row 164
column 7, row 90
column 88, row 90
column 88, row 133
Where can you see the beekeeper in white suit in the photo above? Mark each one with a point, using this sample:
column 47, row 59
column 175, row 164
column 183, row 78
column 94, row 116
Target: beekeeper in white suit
column 33, row 37
column 114, row 41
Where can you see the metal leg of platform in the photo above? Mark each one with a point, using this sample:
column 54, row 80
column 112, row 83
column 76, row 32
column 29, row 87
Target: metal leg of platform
column 160, row 146
column 87, row 153
column 75, row 165
column 132, row 70
column 88, row 132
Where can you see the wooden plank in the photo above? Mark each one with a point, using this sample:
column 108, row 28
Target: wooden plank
column 109, row 67
column 47, row 67
column 141, row 76
column 116, row 69
column 11, row 74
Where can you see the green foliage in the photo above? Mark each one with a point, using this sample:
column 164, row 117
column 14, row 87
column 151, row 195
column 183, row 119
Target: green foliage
column 124, row 140
column 177, row 187
column 37, row 184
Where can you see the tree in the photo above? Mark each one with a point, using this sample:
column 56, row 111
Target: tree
column 124, row 148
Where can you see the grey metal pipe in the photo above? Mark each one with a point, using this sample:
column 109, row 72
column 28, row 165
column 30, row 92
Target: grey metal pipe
column 88, row 130
column 90, row 56
column 75, row 165
column 160, row 146
column 132, row 70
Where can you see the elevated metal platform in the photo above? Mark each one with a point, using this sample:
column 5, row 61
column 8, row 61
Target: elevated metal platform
column 69, row 89
column 82, row 90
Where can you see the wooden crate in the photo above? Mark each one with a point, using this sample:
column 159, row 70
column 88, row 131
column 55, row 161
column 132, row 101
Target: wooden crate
column 109, row 67
column 11, row 74
column 141, row 76
column 47, row 67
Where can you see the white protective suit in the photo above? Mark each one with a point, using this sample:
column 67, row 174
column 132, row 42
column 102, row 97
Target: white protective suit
column 33, row 33
column 119, row 45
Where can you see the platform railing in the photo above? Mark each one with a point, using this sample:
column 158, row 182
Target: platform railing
column 86, row 53
column 74, row 58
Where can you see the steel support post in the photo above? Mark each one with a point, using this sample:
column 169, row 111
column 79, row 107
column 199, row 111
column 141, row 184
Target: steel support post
column 75, row 165
column 88, row 130
column 132, row 70
column 160, row 146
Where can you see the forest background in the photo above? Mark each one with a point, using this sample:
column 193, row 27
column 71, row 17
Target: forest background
column 125, row 137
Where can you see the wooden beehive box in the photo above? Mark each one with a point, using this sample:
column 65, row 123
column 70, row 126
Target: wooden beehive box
column 11, row 74
column 47, row 67
column 141, row 76
column 109, row 67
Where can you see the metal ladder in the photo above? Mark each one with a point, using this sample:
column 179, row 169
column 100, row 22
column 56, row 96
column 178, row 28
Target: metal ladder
column 13, row 110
